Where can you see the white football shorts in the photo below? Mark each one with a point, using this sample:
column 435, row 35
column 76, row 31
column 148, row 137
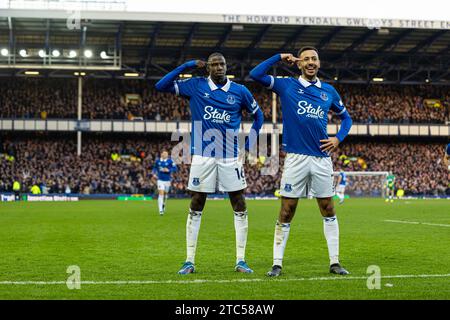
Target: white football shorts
column 305, row 175
column 164, row 185
column 340, row 188
column 208, row 172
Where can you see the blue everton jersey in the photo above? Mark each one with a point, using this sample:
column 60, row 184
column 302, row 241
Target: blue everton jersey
column 216, row 114
column 164, row 168
column 343, row 179
column 447, row 150
column 305, row 108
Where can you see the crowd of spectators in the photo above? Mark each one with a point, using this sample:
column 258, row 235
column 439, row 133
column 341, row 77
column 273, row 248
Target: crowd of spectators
column 137, row 99
column 418, row 167
column 124, row 165
column 395, row 104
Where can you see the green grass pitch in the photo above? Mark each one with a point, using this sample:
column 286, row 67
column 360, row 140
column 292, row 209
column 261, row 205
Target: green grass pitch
column 128, row 241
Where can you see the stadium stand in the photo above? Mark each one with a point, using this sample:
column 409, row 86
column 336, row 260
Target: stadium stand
column 123, row 165
column 412, row 62
column 137, row 99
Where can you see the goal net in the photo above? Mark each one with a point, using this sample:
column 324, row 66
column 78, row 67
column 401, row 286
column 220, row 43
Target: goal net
column 364, row 183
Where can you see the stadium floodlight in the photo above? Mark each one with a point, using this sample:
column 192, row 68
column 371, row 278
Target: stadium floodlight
column 378, row 79
column 56, row 53
column 131, row 74
column 88, row 53
column 230, row 76
column 104, row 55
column 186, row 75
column 23, row 53
column 32, row 73
column 41, row 53
column 72, row 54
column 4, row 52
column 383, row 31
column 427, row 80
column 237, row 27
column 336, row 78
column 79, row 73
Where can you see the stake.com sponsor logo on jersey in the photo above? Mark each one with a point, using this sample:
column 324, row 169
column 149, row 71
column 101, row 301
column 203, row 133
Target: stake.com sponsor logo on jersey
column 311, row 112
column 216, row 116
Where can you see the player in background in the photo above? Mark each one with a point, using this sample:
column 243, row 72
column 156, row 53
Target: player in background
column 340, row 186
column 305, row 102
column 390, row 180
column 447, row 157
column 216, row 105
column 162, row 170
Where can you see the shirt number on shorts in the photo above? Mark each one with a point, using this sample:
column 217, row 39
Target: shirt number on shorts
column 240, row 174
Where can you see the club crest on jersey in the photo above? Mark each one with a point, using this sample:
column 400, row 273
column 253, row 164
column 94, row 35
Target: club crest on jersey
column 324, row 96
column 196, row 181
column 288, row 187
column 231, row 99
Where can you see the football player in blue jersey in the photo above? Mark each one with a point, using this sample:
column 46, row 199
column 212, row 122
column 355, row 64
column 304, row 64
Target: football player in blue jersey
column 340, row 186
column 162, row 170
column 305, row 103
column 216, row 105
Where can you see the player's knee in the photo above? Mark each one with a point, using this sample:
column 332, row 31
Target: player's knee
column 328, row 210
column 239, row 205
column 286, row 214
column 238, row 201
column 198, row 201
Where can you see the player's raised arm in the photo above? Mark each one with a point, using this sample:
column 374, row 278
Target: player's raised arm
column 166, row 84
column 259, row 73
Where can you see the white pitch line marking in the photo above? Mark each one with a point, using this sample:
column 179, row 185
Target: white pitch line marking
column 415, row 222
column 198, row 281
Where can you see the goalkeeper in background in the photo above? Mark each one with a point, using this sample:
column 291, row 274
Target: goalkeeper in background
column 390, row 180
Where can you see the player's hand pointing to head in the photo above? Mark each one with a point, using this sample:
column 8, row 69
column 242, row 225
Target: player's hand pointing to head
column 329, row 144
column 200, row 63
column 289, row 58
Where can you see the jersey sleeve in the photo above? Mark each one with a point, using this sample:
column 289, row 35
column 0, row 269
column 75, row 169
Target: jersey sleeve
column 278, row 85
column 249, row 103
column 336, row 104
column 186, row 87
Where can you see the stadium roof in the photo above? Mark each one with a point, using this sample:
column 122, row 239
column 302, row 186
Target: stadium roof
column 350, row 54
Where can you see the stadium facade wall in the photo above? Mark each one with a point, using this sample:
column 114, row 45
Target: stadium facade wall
column 434, row 130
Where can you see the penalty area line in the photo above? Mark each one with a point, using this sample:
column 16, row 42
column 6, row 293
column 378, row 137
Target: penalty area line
column 200, row 281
